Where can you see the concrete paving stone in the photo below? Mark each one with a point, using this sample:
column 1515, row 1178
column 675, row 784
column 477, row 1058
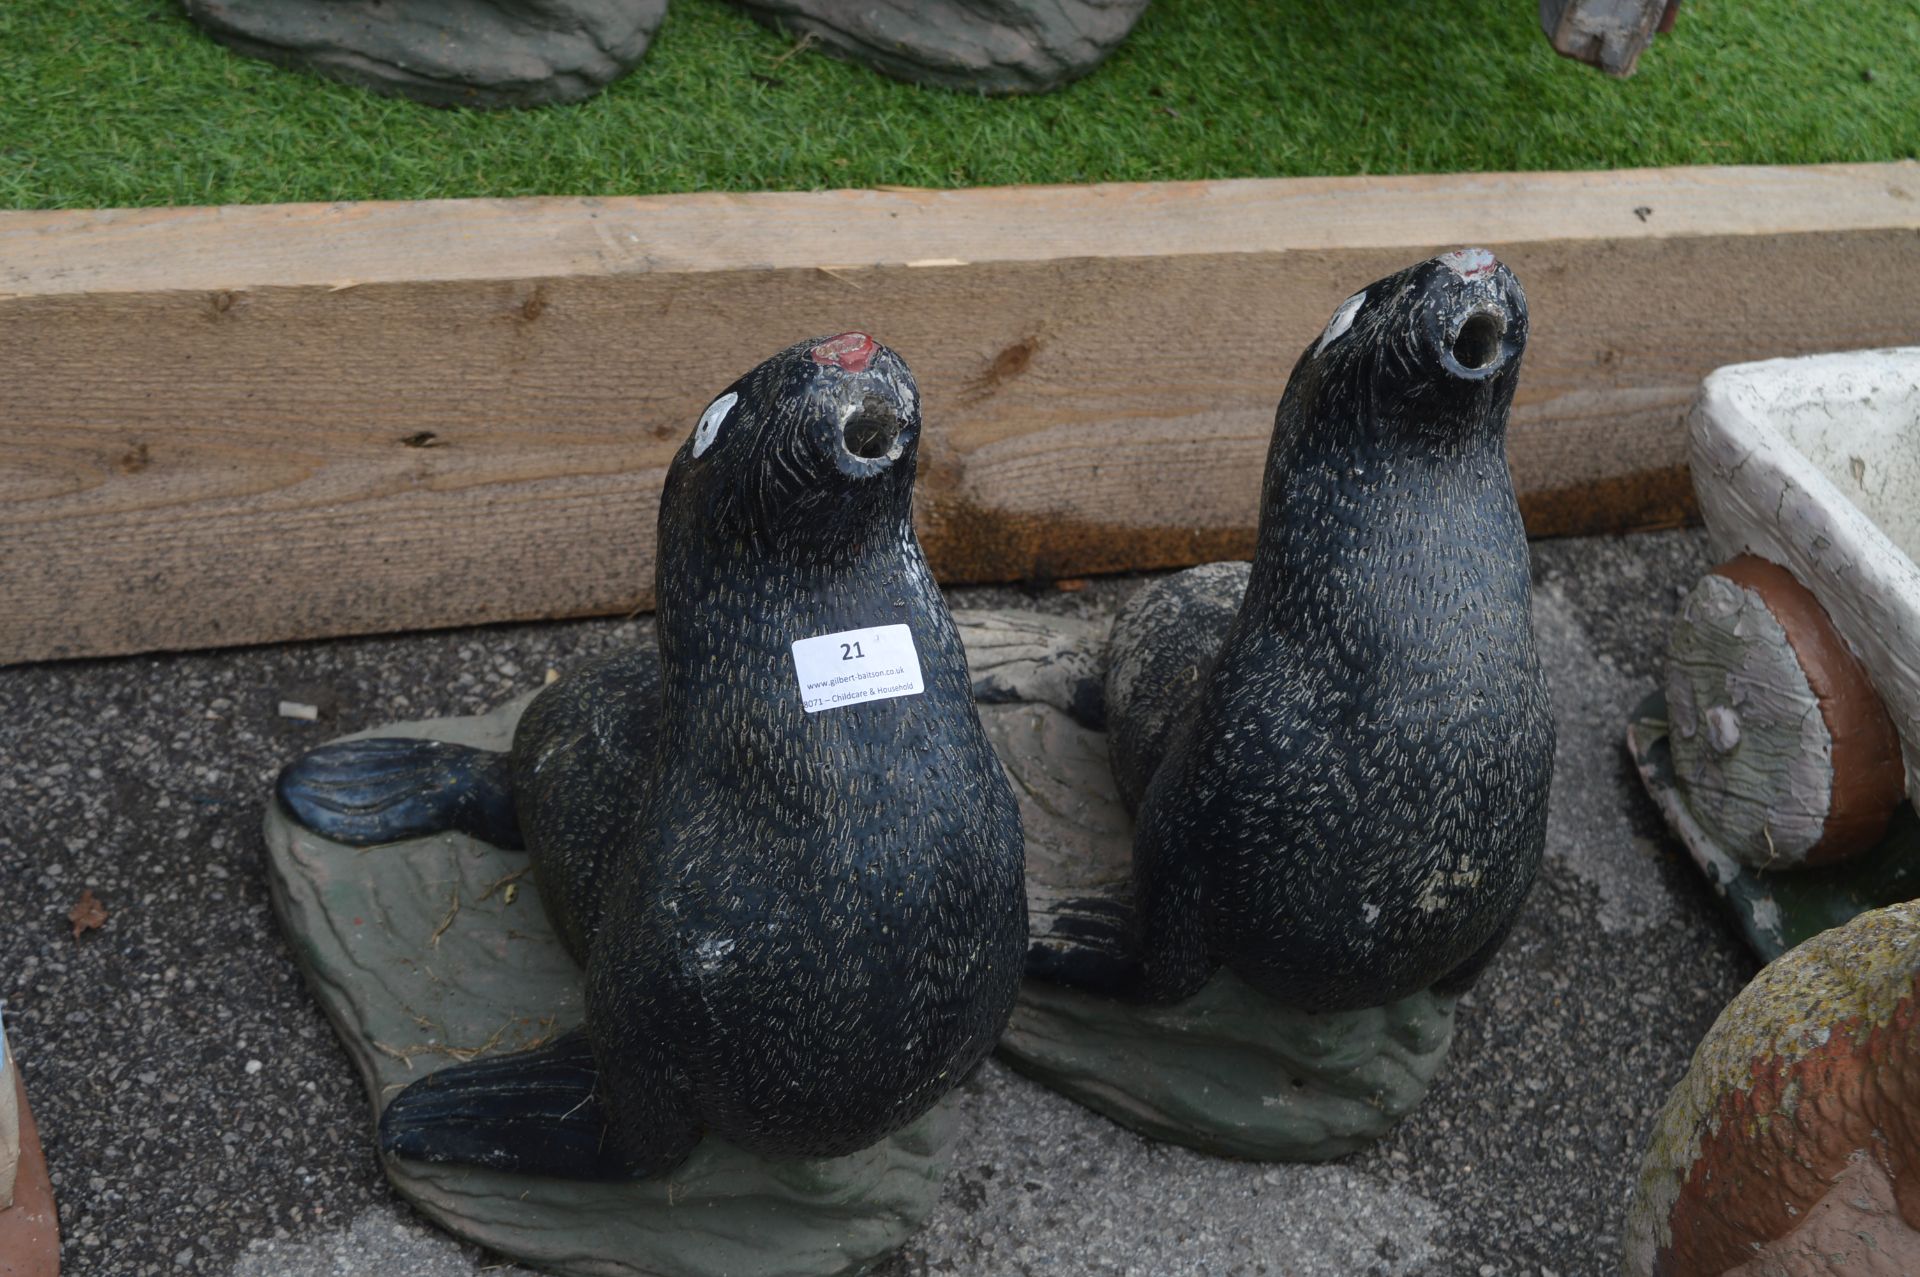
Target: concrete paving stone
column 200, row 1117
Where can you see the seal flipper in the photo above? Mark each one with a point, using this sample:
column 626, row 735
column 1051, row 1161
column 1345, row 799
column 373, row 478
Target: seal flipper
column 1165, row 641
column 1100, row 941
column 364, row 792
column 1468, row 973
column 532, row 1113
column 1082, row 939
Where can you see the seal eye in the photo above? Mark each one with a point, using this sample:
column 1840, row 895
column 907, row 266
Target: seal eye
column 711, row 420
column 1341, row 321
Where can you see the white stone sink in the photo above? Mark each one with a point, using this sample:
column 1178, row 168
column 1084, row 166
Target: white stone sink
column 1814, row 463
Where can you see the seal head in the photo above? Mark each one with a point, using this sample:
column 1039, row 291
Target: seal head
column 809, row 443
column 1429, row 357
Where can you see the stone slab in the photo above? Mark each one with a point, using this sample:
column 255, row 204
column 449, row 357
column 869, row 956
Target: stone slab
column 479, row 53
column 976, row 46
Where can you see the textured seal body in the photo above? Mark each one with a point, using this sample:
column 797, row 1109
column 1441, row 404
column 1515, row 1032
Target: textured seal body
column 816, row 926
column 801, row 929
column 582, row 767
column 1348, row 779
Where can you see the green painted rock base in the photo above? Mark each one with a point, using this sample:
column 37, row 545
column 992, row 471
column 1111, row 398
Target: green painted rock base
column 1776, row 911
column 432, row 951
column 1229, row 1071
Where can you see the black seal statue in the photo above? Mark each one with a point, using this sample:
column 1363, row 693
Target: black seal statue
column 781, row 845
column 1339, row 755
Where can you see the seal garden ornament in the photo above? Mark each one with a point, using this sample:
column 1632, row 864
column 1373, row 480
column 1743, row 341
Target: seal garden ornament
column 1609, row 34
column 974, row 46
column 780, row 845
column 479, row 53
column 1290, row 809
column 1340, row 754
column 522, row 53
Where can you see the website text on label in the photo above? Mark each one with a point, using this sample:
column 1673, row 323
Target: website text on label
column 852, row 666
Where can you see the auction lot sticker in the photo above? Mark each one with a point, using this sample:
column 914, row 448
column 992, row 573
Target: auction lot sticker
column 837, row 670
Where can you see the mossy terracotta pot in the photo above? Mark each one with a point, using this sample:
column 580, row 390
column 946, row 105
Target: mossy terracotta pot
column 1791, row 1145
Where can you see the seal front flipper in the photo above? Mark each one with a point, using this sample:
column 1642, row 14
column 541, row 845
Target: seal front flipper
column 532, row 1113
column 365, row 792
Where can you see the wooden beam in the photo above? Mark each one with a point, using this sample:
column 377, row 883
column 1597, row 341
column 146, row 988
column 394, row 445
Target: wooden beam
column 230, row 425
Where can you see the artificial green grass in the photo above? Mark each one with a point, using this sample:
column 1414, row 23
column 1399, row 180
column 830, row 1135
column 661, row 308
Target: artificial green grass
column 124, row 102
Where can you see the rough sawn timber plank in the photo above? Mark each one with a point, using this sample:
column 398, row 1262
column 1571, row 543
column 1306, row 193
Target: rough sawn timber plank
column 247, row 424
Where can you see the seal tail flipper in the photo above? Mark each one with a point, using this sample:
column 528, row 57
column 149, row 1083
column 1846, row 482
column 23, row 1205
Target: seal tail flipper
column 1100, row 940
column 532, row 1113
column 363, row 792
column 1046, row 661
column 1083, row 939
column 1166, row 640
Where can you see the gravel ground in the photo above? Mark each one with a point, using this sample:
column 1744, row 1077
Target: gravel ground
column 201, row 1118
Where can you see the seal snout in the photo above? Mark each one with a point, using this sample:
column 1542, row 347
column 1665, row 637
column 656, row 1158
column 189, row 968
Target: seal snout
column 1479, row 313
column 1476, row 345
column 872, row 429
column 849, row 352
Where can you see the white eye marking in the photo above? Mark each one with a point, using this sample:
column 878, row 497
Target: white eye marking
column 1341, row 321
column 711, row 420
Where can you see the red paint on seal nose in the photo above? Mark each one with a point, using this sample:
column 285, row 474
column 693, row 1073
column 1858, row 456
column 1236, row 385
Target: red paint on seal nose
column 849, row 352
column 1470, row 263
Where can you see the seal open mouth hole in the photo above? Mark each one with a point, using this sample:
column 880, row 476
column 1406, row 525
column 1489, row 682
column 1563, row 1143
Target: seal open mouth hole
column 870, row 433
column 1478, row 342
